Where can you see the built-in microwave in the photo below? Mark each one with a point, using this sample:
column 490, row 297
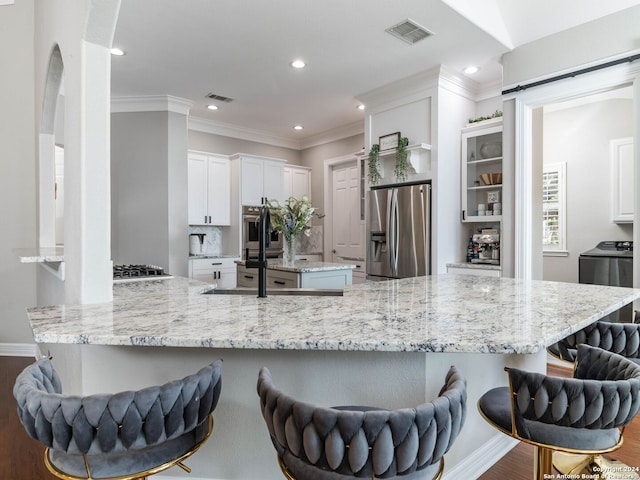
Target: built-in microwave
column 250, row 234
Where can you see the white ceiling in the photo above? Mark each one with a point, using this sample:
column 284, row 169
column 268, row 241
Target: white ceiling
column 242, row 49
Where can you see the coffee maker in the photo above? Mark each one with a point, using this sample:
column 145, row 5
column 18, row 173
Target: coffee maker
column 487, row 245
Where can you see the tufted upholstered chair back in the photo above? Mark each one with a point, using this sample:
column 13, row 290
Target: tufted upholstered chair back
column 329, row 443
column 620, row 338
column 112, row 428
column 604, row 393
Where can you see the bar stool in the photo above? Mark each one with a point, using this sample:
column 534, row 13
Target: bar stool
column 620, row 338
column 124, row 436
column 582, row 414
column 319, row 443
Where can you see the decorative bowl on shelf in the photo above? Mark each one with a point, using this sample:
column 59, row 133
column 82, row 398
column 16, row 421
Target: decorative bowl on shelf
column 491, row 150
column 491, row 178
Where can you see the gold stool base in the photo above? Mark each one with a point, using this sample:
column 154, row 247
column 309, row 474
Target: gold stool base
column 593, row 466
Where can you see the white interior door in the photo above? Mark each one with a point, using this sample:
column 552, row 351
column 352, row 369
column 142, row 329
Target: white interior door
column 347, row 226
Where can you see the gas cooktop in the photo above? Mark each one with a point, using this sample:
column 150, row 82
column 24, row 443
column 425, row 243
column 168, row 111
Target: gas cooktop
column 133, row 273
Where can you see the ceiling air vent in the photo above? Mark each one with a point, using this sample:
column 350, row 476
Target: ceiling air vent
column 219, row 98
column 409, row 31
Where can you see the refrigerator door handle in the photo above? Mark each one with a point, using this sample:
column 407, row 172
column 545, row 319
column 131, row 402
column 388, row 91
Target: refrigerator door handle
column 394, row 234
column 389, row 230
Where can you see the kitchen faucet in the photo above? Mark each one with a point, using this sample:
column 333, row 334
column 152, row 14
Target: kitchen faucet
column 264, row 240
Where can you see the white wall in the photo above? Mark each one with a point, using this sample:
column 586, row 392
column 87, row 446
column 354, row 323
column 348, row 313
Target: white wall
column 17, row 164
column 580, row 137
column 212, row 143
column 602, row 38
column 314, row 157
column 149, row 190
column 83, row 31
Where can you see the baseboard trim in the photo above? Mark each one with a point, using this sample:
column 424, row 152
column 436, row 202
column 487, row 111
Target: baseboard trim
column 480, row 460
column 18, row 349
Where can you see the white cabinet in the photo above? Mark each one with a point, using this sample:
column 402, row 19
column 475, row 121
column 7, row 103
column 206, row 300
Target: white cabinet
column 209, row 189
column 297, row 182
column 622, row 178
column 215, row 271
column 324, row 279
column 260, row 178
column 477, row 270
column 481, row 172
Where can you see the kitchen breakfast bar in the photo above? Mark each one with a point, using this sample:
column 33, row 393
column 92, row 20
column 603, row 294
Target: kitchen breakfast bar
column 387, row 344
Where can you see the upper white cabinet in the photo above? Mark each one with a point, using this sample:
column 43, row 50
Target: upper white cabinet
column 297, row 182
column 481, row 152
column 260, row 178
column 209, row 189
column 622, row 180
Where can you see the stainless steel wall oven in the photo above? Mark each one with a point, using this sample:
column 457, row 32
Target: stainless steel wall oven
column 250, row 222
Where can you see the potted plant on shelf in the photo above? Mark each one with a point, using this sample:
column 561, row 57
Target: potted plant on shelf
column 290, row 219
column 374, row 164
column 402, row 167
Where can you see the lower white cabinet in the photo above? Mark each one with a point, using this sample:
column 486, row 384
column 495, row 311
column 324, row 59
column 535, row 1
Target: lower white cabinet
column 325, row 279
column 218, row 271
column 359, row 273
column 309, row 257
column 479, row 271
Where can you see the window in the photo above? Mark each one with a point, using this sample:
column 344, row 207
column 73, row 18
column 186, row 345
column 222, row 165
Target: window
column 554, row 237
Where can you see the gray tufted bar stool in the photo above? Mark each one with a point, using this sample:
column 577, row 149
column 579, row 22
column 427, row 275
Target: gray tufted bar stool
column 319, row 443
column 620, row 338
column 124, row 436
column 583, row 414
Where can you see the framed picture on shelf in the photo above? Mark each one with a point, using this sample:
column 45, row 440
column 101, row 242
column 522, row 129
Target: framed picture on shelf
column 493, row 196
column 387, row 142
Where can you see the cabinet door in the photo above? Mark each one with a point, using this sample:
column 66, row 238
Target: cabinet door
column 273, row 181
column 301, row 183
column 219, row 192
column 623, row 185
column 197, row 189
column 251, row 181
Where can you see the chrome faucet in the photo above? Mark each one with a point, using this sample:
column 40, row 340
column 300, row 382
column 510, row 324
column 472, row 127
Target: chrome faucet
column 264, row 240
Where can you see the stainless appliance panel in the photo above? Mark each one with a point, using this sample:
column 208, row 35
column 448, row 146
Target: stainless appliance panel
column 609, row 263
column 378, row 258
column 398, row 232
column 250, row 234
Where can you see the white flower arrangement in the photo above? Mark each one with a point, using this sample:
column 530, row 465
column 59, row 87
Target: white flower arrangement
column 292, row 217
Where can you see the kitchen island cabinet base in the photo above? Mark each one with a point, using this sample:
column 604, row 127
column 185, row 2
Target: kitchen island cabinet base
column 385, row 379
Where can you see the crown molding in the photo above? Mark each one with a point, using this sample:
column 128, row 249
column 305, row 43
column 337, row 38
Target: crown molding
column 200, row 124
column 151, row 103
column 333, row 135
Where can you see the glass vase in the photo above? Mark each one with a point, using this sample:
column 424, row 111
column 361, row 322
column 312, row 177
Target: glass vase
column 289, row 251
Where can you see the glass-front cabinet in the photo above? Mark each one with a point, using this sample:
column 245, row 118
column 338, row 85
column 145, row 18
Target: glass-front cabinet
column 482, row 172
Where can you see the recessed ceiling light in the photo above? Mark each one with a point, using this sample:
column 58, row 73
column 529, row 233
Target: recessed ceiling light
column 360, row 107
column 212, row 107
column 117, row 52
column 298, row 64
column 298, row 127
column 471, row 69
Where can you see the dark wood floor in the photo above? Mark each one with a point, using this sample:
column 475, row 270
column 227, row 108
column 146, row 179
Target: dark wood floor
column 21, row 457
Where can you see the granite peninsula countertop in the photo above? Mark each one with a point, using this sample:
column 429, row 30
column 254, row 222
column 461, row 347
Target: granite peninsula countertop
column 442, row 313
column 303, row 266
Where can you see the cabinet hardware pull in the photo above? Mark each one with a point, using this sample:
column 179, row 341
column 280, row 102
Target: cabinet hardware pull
column 209, row 218
column 278, row 282
column 250, row 277
column 216, row 263
column 205, row 219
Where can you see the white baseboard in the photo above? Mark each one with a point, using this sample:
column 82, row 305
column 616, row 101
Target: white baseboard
column 18, row 350
column 481, row 459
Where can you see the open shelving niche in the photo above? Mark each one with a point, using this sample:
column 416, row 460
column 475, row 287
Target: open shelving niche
column 417, row 157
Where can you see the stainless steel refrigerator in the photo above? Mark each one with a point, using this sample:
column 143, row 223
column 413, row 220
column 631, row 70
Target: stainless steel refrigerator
column 399, row 232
